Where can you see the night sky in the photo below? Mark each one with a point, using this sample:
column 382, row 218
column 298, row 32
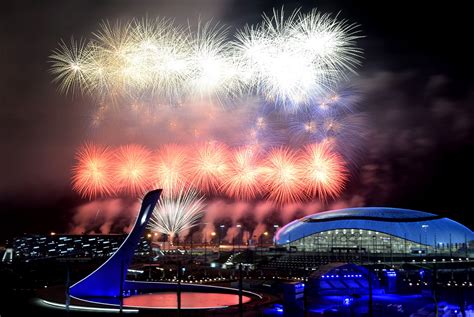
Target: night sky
column 415, row 87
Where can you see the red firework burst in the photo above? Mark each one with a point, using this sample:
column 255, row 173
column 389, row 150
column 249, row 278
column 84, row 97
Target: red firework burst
column 244, row 178
column 92, row 174
column 209, row 166
column 283, row 176
column 325, row 173
column 170, row 168
column 132, row 169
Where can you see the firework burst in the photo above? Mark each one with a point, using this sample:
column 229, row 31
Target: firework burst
column 170, row 169
column 325, row 173
column 214, row 74
column 283, row 176
column 92, row 174
column 288, row 59
column 209, row 166
column 292, row 60
column 244, row 180
column 174, row 215
column 70, row 66
column 132, row 169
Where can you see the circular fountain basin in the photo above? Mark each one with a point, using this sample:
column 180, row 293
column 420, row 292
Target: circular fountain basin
column 189, row 300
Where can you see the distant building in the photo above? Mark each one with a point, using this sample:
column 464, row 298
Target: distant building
column 7, row 255
column 377, row 231
column 29, row 247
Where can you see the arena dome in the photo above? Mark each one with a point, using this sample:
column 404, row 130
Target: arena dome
column 360, row 227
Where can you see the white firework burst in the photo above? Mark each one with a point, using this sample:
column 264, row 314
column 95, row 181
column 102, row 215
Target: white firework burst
column 175, row 214
column 287, row 59
column 214, row 74
column 291, row 60
column 69, row 66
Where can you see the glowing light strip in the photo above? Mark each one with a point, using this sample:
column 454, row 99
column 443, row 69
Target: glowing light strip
column 85, row 308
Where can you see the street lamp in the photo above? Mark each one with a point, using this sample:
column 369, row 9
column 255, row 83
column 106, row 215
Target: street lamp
column 239, row 236
column 265, row 234
column 221, row 233
column 425, row 230
column 274, row 234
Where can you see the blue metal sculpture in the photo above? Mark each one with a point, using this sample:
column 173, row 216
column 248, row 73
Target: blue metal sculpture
column 109, row 279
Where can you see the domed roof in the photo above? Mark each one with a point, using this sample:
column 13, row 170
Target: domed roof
column 404, row 223
column 371, row 212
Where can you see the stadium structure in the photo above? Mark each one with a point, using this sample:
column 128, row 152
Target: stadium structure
column 377, row 230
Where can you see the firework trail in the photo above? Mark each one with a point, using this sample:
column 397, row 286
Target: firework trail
column 325, row 173
column 174, row 215
column 92, row 174
column 132, row 169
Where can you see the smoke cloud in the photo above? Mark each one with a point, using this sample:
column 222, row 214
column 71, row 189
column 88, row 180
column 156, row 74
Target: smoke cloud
column 408, row 119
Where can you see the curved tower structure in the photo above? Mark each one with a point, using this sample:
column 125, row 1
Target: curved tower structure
column 109, row 279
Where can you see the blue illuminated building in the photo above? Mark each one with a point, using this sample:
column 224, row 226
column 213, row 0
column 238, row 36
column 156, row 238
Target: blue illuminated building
column 377, row 230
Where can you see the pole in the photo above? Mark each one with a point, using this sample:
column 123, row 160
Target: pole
column 391, row 251
column 178, row 293
column 121, row 286
column 434, row 281
column 304, row 250
column 374, row 244
column 68, row 281
column 205, row 251
column 466, row 245
column 241, row 308
column 405, row 247
column 371, row 311
column 240, row 237
column 450, row 246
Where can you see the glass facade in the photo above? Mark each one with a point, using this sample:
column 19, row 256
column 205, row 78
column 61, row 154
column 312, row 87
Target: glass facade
column 367, row 241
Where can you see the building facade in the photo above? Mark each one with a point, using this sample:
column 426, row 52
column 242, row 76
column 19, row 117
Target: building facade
column 377, row 231
column 28, row 247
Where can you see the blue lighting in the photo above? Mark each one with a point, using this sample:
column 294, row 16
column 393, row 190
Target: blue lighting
column 342, row 276
column 347, row 301
column 409, row 226
column 279, row 308
column 391, row 273
column 275, row 310
column 109, row 279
